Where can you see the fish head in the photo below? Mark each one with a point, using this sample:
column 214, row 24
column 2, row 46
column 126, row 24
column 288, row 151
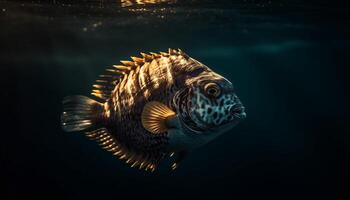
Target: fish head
column 213, row 105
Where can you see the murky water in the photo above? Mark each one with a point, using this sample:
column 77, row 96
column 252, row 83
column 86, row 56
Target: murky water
column 287, row 59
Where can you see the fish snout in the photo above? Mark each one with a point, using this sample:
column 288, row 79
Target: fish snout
column 238, row 111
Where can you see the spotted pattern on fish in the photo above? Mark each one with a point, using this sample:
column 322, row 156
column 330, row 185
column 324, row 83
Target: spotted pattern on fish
column 214, row 112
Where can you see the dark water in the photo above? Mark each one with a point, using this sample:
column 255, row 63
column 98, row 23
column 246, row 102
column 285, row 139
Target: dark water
column 287, row 59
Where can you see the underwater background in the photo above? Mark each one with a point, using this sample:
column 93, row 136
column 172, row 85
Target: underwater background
column 288, row 61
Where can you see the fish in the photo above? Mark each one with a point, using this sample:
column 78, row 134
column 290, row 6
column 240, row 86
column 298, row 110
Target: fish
column 155, row 106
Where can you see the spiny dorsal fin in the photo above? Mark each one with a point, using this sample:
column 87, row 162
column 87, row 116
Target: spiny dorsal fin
column 129, row 64
column 154, row 117
column 155, row 55
column 111, row 144
column 137, row 60
column 147, row 57
column 107, row 82
column 164, row 54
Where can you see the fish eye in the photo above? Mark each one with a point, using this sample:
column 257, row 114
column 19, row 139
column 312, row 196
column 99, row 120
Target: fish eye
column 212, row 90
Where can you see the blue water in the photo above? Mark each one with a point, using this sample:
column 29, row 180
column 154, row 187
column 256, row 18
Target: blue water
column 287, row 59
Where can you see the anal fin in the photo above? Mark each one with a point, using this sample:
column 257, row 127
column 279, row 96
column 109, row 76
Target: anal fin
column 178, row 158
column 109, row 143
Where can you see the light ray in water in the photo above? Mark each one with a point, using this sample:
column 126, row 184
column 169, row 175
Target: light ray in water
column 127, row 3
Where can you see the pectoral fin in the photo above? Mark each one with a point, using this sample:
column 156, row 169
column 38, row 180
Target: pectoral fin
column 158, row 118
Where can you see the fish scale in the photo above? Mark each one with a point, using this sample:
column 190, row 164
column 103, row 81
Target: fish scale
column 136, row 82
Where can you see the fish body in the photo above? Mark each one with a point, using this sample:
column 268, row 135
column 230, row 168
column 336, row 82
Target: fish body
column 154, row 106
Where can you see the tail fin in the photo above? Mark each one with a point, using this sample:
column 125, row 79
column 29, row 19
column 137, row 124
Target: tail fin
column 80, row 113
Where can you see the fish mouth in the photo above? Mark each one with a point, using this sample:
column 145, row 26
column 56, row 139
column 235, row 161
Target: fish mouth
column 238, row 112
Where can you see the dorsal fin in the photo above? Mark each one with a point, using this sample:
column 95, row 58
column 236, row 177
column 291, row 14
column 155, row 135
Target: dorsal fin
column 104, row 86
column 111, row 144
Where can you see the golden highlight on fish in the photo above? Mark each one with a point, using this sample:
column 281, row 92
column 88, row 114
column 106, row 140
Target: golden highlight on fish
column 126, row 3
column 154, row 106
